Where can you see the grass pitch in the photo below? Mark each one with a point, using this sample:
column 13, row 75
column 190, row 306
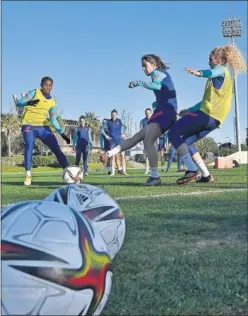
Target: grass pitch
column 185, row 251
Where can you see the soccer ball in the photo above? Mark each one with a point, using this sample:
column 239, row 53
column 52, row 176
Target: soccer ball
column 53, row 261
column 72, row 174
column 103, row 212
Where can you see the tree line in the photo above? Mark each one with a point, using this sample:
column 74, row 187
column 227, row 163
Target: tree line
column 12, row 142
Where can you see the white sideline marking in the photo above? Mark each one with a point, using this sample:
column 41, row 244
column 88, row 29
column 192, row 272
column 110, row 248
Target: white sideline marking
column 155, row 196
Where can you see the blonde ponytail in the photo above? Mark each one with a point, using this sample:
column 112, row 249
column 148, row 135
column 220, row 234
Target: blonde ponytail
column 230, row 54
column 234, row 59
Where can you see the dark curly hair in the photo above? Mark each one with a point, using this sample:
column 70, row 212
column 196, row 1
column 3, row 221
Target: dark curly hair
column 44, row 79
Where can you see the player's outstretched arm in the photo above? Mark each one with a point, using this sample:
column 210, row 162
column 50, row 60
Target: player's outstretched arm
column 156, row 84
column 55, row 124
column 27, row 99
column 215, row 72
column 53, row 120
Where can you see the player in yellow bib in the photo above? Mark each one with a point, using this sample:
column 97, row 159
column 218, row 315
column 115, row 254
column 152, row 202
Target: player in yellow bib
column 208, row 114
column 38, row 105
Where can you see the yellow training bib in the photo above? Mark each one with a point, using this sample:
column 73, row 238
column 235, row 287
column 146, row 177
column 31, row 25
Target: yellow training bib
column 217, row 102
column 37, row 115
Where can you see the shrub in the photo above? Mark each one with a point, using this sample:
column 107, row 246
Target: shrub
column 12, row 161
column 43, row 161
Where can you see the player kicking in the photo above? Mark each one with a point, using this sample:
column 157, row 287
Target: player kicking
column 163, row 116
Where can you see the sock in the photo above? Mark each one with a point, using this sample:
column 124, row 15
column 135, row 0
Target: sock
column 147, row 165
column 200, row 163
column 124, row 166
column 113, row 168
column 154, row 173
column 114, row 151
column 28, row 173
column 189, row 162
column 108, row 168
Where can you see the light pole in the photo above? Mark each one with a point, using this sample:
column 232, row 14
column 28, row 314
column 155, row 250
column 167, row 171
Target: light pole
column 232, row 28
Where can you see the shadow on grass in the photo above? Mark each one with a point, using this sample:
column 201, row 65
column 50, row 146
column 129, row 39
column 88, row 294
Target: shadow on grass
column 187, row 219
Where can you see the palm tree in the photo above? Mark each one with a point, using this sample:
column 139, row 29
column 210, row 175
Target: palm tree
column 93, row 123
column 11, row 127
column 128, row 122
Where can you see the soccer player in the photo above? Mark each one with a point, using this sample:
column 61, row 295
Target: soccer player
column 37, row 104
column 105, row 142
column 102, row 138
column 172, row 154
column 208, row 114
column 82, row 142
column 163, row 116
column 143, row 124
column 115, row 130
column 161, row 148
column 123, row 169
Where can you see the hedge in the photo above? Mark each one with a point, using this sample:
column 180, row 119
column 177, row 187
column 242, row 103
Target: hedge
column 39, row 161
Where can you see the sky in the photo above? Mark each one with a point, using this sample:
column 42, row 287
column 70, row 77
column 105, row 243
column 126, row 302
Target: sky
column 92, row 50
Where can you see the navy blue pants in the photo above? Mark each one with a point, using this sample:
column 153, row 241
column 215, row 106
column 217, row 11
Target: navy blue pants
column 172, row 154
column 191, row 128
column 164, row 117
column 44, row 133
column 82, row 148
column 106, row 143
column 160, row 145
column 114, row 142
column 102, row 141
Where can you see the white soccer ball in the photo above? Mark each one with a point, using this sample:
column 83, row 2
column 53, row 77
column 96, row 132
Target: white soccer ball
column 72, row 174
column 53, row 261
column 103, row 212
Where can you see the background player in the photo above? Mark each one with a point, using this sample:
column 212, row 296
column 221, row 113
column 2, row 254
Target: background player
column 115, row 130
column 105, row 142
column 82, row 141
column 162, row 145
column 172, row 154
column 143, row 124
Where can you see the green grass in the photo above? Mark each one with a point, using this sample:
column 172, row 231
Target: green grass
column 182, row 255
column 17, row 169
column 20, row 170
